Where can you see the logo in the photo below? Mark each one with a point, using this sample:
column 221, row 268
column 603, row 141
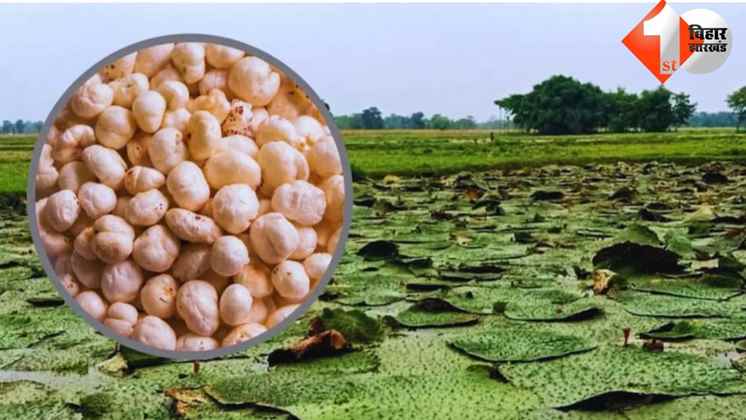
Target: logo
column 664, row 41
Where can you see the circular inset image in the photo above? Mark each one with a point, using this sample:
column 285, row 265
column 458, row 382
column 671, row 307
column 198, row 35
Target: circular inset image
column 189, row 196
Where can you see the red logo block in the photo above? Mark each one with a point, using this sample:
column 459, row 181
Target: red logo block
column 660, row 41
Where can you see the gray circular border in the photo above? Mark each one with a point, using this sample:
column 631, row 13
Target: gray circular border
column 131, row 343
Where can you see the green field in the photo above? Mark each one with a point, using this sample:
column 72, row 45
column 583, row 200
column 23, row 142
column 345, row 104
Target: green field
column 377, row 153
column 15, row 157
column 503, row 293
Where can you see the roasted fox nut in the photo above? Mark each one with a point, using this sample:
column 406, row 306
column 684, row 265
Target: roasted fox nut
column 91, row 99
column 156, row 249
column 300, row 201
column 167, row 149
column 152, row 59
column 228, row 256
column 158, row 296
column 188, row 186
column 281, row 163
column 155, row 332
column 62, row 210
column 227, row 168
column 112, row 240
column 234, row 207
column 253, row 80
column 221, row 56
column 197, row 305
column 189, row 60
column 121, row 282
column 148, row 110
column 106, row 164
column 115, row 127
column 192, row 227
column 273, row 238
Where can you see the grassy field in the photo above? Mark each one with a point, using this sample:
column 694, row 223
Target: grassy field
column 377, row 153
column 15, row 157
column 499, row 294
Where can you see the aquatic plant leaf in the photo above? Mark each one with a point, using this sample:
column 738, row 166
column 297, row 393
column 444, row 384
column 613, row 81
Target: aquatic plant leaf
column 543, row 310
column 429, row 314
column 520, row 344
column 648, row 304
column 355, row 325
column 628, row 369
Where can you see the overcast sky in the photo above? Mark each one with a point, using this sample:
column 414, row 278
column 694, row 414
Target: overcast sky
column 452, row 59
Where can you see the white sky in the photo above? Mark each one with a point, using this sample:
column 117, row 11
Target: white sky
column 450, row 59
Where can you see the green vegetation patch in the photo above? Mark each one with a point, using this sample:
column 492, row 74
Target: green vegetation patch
column 522, row 343
column 692, row 408
column 543, row 310
column 682, row 330
column 355, row 325
column 484, row 249
column 408, row 382
column 376, row 287
column 704, row 287
column 569, row 380
column 647, row 304
column 428, row 315
column 546, row 303
column 138, row 399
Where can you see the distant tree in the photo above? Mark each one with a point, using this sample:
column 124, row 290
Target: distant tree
column 440, row 122
column 464, row 123
column 495, row 123
column 36, row 126
column 349, row 122
column 417, row 120
column 342, row 121
column 621, row 109
column 518, row 107
column 713, row 119
column 18, row 128
column 394, row 121
column 371, row 119
column 8, row 127
column 683, row 109
column 558, row 105
column 656, row 112
column 737, row 102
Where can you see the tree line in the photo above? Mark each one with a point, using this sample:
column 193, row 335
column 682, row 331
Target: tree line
column 21, row 127
column 558, row 105
column 564, row 105
column 372, row 119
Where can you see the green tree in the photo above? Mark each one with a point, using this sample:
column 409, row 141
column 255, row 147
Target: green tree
column 19, row 126
column 656, row 112
column 394, row 121
column 683, row 109
column 464, row 123
column 7, row 127
column 737, row 102
column 518, row 107
column 622, row 112
column 713, row 119
column 371, row 119
column 417, row 120
column 349, row 122
column 558, row 105
column 440, row 122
